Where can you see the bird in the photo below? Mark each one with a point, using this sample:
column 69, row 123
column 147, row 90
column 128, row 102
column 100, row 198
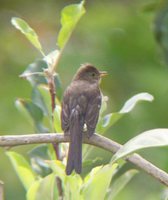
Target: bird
column 80, row 112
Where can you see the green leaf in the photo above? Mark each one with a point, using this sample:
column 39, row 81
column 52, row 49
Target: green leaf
column 73, row 186
column 39, row 151
column 52, row 60
column 151, row 6
column 57, row 120
column 165, row 194
column 30, row 34
column 131, row 103
column 120, row 183
column 161, row 29
column 44, row 91
column 110, row 119
column 58, row 168
column 58, row 86
column 38, row 100
column 103, row 105
column 147, row 139
column 97, row 182
column 32, row 192
column 107, row 121
column 38, row 157
column 34, row 73
column 47, row 189
column 20, row 106
column 43, row 189
column 69, row 18
column 32, row 112
column 91, row 163
column 22, row 169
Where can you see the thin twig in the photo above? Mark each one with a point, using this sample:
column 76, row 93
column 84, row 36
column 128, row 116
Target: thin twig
column 96, row 140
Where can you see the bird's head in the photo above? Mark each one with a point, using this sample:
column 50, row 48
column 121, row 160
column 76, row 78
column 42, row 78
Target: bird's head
column 89, row 73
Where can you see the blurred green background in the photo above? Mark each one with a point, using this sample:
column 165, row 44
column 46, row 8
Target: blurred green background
column 116, row 36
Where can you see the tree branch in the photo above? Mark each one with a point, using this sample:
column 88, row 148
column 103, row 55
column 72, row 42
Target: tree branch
column 96, row 140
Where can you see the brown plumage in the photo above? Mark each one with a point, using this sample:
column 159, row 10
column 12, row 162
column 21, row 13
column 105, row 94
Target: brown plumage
column 81, row 105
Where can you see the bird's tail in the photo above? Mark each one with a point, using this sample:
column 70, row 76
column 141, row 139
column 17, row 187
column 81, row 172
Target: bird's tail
column 74, row 161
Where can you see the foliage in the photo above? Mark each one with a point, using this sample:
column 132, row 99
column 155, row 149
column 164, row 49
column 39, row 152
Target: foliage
column 28, row 32
column 74, row 186
column 151, row 138
column 160, row 27
column 39, row 175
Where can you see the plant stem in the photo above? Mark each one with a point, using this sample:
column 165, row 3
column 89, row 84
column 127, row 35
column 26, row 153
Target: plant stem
column 52, row 90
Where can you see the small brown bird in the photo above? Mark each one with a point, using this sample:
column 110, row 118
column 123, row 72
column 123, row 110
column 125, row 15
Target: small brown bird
column 80, row 108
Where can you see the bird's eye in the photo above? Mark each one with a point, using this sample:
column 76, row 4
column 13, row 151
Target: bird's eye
column 93, row 74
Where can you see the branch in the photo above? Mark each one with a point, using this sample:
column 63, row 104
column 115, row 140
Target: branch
column 95, row 140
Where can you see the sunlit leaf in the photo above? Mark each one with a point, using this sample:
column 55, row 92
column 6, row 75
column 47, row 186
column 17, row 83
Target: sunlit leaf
column 97, row 182
column 32, row 191
column 73, row 186
column 69, row 18
column 165, row 194
column 130, row 104
column 58, row 168
column 47, row 189
column 120, row 183
column 43, row 189
column 22, row 169
column 147, row 139
column 30, row 34
column 110, row 119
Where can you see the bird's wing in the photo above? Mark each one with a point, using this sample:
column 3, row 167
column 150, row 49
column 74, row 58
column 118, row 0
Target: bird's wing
column 92, row 113
column 74, row 100
column 65, row 113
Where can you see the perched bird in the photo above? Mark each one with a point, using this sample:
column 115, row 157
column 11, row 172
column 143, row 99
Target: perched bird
column 80, row 111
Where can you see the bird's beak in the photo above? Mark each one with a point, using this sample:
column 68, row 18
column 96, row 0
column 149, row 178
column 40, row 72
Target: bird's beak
column 103, row 73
